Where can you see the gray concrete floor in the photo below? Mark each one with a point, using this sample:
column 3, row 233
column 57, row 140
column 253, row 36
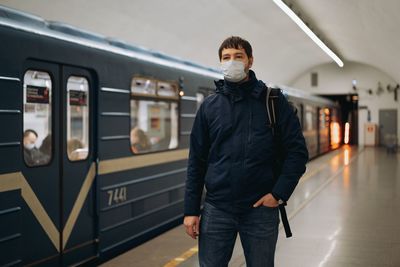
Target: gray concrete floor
column 344, row 212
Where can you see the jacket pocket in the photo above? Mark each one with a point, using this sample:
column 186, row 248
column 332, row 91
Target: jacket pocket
column 262, row 145
column 216, row 177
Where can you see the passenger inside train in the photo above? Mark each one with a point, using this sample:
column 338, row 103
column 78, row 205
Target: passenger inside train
column 45, row 148
column 139, row 141
column 76, row 150
column 32, row 154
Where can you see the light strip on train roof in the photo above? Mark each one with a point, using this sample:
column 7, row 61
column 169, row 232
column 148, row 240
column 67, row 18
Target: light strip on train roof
column 308, row 31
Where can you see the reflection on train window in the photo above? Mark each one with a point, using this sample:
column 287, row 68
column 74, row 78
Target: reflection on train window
column 310, row 118
column 154, row 119
column 77, row 118
column 37, row 138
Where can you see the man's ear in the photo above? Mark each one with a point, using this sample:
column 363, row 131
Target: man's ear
column 250, row 62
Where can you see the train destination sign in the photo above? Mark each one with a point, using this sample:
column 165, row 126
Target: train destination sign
column 77, row 98
column 37, row 94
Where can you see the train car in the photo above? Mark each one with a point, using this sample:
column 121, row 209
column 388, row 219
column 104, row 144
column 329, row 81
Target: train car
column 320, row 120
column 94, row 143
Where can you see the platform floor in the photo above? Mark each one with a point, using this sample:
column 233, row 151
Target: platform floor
column 344, row 212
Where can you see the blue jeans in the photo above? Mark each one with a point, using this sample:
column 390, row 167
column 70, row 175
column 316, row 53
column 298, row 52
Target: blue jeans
column 258, row 230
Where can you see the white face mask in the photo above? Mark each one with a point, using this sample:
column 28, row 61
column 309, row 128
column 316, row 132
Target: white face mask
column 233, row 70
column 29, row 146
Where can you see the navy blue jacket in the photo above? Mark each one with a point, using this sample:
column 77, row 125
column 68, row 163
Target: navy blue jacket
column 232, row 149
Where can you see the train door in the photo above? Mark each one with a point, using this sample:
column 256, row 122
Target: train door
column 58, row 170
column 79, row 238
column 40, row 169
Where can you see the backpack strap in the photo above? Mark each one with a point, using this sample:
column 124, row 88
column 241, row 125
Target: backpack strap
column 271, row 103
column 271, row 122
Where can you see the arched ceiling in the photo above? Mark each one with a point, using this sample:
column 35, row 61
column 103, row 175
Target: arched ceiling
column 364, row 31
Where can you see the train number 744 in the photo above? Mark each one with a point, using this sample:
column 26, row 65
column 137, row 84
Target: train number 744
column 116, row 196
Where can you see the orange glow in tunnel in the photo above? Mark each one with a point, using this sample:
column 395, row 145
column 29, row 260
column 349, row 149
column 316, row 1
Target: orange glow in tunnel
column 346, row 133
column 335, row 135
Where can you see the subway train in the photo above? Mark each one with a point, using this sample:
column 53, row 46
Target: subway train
column 94, row 141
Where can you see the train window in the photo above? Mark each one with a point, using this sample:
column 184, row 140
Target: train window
column 37, row 138
column 324, row 118
column 143, row 86
column 77, row 118
column 154, row 119
column 310, row 122
column 165, row 89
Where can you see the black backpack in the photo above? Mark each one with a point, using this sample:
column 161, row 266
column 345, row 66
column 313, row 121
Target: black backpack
column 271, row 103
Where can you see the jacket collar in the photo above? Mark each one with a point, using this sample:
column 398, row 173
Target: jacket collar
column 238, row 91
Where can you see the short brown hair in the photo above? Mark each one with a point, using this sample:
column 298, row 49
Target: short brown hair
column 237, row 43
column 30, row 131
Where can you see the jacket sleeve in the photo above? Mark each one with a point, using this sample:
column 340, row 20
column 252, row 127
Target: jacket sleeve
column 294, row 145
column 197, row 164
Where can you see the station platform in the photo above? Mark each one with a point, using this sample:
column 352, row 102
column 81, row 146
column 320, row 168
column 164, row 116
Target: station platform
column 344, row 212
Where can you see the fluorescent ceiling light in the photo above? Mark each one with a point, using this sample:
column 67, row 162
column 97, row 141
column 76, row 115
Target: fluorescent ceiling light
column 307, row 30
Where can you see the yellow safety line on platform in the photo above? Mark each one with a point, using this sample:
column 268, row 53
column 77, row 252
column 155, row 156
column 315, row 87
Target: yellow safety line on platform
column 186, row 255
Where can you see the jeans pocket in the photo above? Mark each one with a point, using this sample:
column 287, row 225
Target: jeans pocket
column 271, row 208
column 269, row 214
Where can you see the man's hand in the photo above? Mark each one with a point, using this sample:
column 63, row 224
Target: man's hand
column 192, row 225
column 268, row 200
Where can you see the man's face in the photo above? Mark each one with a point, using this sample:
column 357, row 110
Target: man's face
column 237, row 54
column 30, row 139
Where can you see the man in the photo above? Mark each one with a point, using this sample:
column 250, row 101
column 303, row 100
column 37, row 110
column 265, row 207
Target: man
column 232, row 153
column 32, row 154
